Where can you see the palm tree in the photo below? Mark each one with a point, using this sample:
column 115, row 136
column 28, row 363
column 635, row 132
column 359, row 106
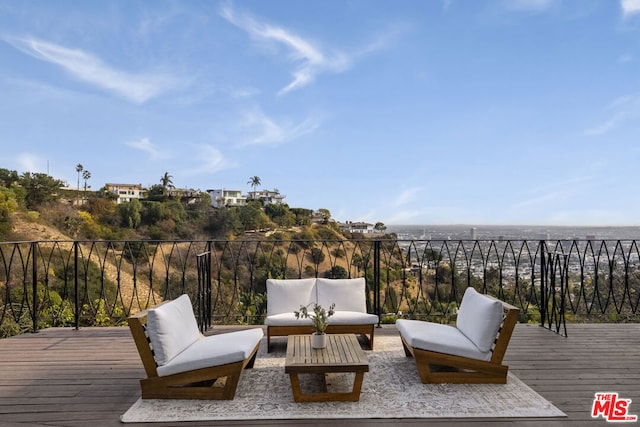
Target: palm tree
column 79, row 168
column 166, row 182
column 86, row 175
column 254, row 182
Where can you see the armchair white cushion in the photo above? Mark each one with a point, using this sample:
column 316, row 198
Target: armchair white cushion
column 479, row 318
column 214, row 350
column 477, row 325
column 172, row 327
column 445, row 339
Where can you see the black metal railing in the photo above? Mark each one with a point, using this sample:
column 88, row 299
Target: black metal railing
column 83, row 283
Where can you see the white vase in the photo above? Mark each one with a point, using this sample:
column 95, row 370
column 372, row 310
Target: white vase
column 318, row 340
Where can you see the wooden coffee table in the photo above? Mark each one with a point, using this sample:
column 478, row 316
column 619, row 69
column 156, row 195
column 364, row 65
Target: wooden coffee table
column 342, row 354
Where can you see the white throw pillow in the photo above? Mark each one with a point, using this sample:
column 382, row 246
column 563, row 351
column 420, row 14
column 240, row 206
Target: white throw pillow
column 479, row 318
column 287, row 295
column 347, row 294
column 171, row 328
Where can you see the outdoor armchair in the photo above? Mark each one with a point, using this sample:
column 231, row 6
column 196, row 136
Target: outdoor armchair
column 469, row 352
column 181, row 363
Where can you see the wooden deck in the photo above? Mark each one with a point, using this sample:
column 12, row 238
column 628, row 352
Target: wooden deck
column 64, row 377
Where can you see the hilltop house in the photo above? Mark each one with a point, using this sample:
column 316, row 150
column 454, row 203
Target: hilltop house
column 185, row 195
column 222, row 197
column 268, row 197
column 126, row 192
column 357, row 227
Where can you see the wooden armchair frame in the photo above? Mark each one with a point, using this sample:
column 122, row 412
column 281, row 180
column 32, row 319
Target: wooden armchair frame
column 196, row 384
column 434, row 367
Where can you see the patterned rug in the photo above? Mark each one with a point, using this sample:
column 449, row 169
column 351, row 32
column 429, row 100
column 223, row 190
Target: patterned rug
column 391, row 389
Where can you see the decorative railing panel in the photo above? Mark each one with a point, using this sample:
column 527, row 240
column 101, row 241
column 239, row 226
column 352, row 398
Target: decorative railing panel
column 82, row 283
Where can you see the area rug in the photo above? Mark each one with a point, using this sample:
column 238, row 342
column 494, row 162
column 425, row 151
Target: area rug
column 391, row 389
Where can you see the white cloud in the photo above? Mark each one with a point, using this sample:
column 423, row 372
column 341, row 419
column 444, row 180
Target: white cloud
column 260, row 129
column 144, row 144
column 310, row 59
column 624, row 109
column 630, row 7
column 211, row 160
column 403, row 217
column 407, row 196
column 137, row 88
column 626, row 58
column 558, row 191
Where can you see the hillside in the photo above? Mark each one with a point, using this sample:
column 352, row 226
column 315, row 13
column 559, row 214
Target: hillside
column 28, row 227
column 24, row 229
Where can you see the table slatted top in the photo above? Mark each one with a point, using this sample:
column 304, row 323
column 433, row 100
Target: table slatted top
column 342, row 354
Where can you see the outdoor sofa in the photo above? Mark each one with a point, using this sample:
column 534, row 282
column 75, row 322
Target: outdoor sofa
column 284, row 296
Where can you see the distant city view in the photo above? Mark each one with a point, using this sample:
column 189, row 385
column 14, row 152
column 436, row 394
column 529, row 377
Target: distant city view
column 512, row 232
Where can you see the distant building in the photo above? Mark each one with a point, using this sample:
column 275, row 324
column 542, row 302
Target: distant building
column 186, row 195
column 318, row 217
column 474, row 233
column 223, row 197
column 268, row 197
column 357, row 227
column 126, row 192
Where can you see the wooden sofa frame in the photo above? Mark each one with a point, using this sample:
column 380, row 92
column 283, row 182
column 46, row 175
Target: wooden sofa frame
column 434, row 367
column 195, row 384
column 365, row 331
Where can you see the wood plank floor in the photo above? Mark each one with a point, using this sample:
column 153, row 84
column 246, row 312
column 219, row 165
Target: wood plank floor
column 64, row 377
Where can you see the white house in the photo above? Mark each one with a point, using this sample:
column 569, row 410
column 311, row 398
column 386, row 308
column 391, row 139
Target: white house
column 223, row 197
column 267, row 196
column 357, row 227
column 126, row 192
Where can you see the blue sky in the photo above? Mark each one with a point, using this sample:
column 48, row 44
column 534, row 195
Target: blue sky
column 405, row 112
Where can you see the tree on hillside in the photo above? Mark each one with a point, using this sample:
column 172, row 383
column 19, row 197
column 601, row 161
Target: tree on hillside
column 254, row 182
column 79, row 169
column 130, row 213
column 156, row 193
column 280, row 214
column 166, row 182
column 39, row 188
column 252, row 216
column 325, row 214
column 8, row 177
column 303, row 216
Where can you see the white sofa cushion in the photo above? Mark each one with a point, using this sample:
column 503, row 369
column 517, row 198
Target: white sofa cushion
column 352, row 318
column 347, row 294
column 171, row 328
column 214, row 350
column 286, row 319
column 338, row 318
column 479, row 318
column 287, row 295
column 440, row 338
